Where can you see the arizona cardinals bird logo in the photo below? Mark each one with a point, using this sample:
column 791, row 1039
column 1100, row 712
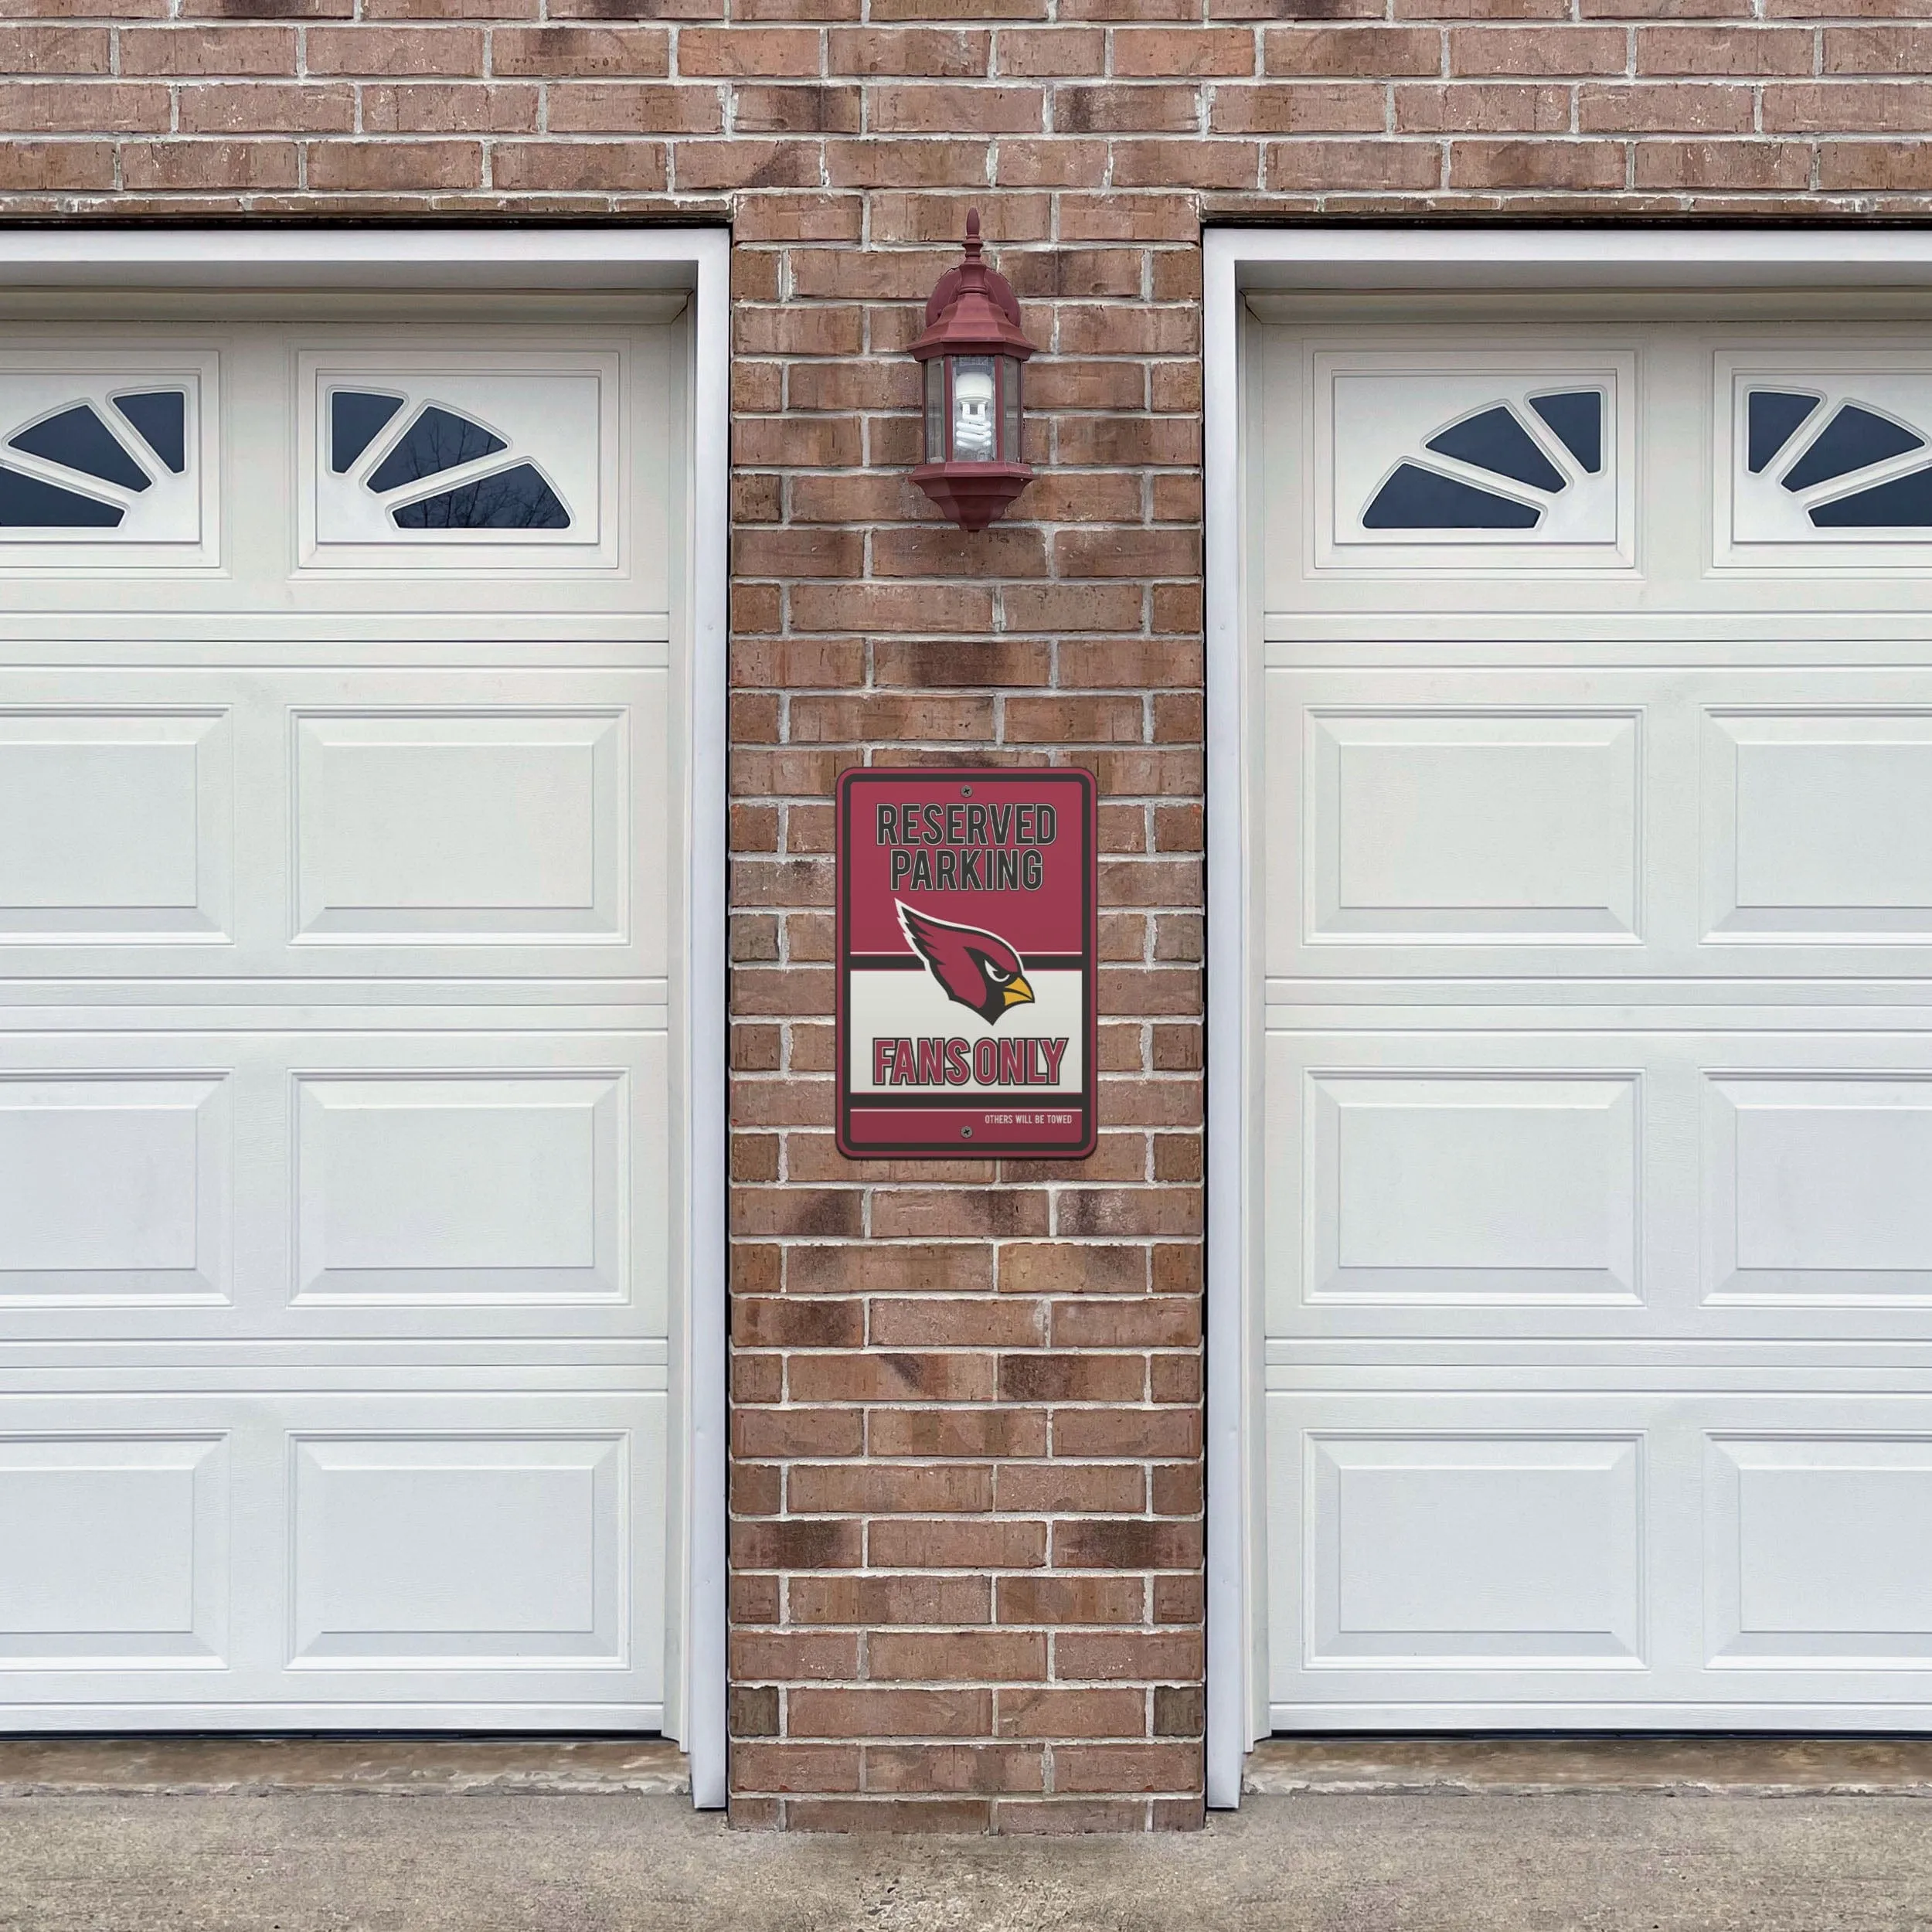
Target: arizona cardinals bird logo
column 979, row 969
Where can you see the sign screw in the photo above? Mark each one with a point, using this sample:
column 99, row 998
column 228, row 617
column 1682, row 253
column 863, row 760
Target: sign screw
column 965, row 1133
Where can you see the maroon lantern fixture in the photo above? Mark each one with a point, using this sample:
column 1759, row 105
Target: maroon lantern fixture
column 972, row 349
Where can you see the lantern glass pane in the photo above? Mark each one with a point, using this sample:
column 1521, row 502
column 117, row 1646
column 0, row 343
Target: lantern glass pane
column 936, row 410
column 973, row 417
column 1009, row 449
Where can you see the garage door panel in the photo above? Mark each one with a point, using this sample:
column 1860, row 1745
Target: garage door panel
column 435, row 1551
column 408, row 1183
column 1645, row 824
column 115, row 446
column 1420, row 1189
column 1820, row 1552
column 459, row 1185
column 1419, row 1183
column 1427, row 825
column 1506, row 1552
column 1454, row 826
column 410, row 825
column 554, row 460
column 1845, row 480
column 479, row 826
column 1739, row 1184
column 1521, row 1559
column 464, row 1558
column 466, row 826
column 499, row 460
column 115, row 1189
column 1820, row 825
column 1472, row 430
column 116, row 1551
column 1473, row 1550
column 1817, row 1189
column 1680, row 495
column 412, row 1189
column 115, row 826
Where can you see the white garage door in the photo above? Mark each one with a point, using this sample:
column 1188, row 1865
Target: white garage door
column 337, row 926
column 1595, row 892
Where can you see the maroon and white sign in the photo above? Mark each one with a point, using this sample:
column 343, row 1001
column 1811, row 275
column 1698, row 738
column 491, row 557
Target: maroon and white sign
column 967, row 932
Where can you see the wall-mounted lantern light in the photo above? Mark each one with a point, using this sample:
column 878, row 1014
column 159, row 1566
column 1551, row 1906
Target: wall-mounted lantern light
column 972, row 350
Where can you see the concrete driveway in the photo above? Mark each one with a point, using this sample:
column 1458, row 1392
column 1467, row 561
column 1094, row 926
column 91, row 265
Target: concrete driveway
column 444, row 1861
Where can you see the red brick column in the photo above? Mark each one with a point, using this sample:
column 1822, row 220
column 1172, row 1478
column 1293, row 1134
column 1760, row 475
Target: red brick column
column 966, row 1505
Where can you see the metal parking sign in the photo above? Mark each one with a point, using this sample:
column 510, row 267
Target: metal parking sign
column 968, row 930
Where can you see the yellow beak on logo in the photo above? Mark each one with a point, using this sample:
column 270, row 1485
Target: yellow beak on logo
column 1017, row 992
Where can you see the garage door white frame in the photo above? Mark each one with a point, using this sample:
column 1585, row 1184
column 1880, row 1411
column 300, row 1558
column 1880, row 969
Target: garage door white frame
column 609, row 261
column 1361, row 261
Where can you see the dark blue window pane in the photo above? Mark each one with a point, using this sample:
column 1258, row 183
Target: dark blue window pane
column 517, row 499
column 77, row 439
column 28, row 504
column 1577, row 417
column 438, row 439
column 1853, row 439
column 355, row 419
column 160, row 417
column 1415, row 498
column 1495, row 440
column 1771, row 418
column 1903, row 504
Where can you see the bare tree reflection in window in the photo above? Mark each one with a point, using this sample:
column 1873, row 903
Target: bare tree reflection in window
column 513, row 499
column 438, row 439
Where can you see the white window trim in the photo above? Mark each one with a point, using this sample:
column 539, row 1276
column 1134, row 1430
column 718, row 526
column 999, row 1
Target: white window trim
column 1363, row 260
column 505, row 260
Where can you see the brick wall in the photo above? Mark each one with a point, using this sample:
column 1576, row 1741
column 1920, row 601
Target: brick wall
column 967, row 1494
column 967, row 1481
